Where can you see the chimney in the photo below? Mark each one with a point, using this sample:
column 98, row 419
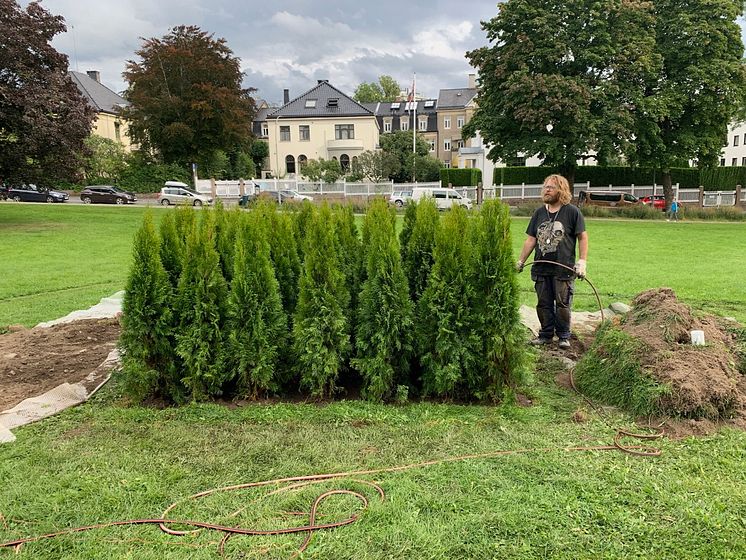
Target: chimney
column 285, row 96
column 472, row 81
column 94, row 75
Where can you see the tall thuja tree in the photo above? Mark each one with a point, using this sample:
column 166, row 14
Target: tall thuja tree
column 185, row 218
column 385, row 319
column 283, row 251
column 320, row 331
column 560, row 78
column 417, row 254
column 147, row 364
column 202, row 298
column 172, row 248
column 497, row 299
column 257, row 326
column 225, row 237
column 301, row 221
column 350, row 261
column 410, row 218
column 700, row 89
column 448, row 342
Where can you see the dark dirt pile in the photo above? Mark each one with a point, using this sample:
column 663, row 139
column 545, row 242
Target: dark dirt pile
column 33, row 361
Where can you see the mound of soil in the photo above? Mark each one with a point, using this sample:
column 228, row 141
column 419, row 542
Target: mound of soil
column 705, row 380
column 33, row 361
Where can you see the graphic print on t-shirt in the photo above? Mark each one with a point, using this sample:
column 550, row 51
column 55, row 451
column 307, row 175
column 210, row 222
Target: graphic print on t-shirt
column 549, row 235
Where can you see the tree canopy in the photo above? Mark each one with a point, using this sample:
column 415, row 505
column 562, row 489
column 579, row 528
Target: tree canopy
column 43, row 118
column 560, row 78
column 701, row 88
column 399, row 145
column 387, row 89
column 187, row 98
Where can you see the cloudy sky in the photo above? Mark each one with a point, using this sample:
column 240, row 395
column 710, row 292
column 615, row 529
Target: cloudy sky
column 289, row 43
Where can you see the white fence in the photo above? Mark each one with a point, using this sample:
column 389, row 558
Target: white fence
column 232, row 189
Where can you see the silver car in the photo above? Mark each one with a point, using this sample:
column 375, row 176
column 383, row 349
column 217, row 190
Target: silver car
column 181, row 195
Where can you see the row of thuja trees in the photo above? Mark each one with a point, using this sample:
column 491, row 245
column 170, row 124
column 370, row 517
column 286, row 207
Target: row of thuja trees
column 243, row 304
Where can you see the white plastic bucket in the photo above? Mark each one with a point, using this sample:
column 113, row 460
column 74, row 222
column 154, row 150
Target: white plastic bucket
column 698, row 338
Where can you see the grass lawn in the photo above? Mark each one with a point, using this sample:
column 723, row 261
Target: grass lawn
column 57, row 259
column 107, row 461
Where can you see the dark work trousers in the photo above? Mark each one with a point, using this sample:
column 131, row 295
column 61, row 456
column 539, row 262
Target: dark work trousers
column 554, row 306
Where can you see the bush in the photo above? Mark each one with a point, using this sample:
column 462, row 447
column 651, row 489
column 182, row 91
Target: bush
column 143, row 176
column 599, row 176
column 417, row 254
column 460, row 177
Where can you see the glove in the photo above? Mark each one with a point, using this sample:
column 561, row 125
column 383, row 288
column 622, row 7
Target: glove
column 519, row 266
column 580, row 268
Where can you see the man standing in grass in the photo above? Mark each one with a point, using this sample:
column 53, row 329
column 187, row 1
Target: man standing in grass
column 553, row 231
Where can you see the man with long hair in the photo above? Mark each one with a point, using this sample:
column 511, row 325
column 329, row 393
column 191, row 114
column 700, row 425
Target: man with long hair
column 553, row 231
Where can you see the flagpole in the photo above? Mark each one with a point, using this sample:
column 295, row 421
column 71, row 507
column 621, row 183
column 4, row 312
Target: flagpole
column 414, row 126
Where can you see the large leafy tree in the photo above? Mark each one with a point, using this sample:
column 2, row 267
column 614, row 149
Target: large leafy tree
column 43, row 118
column 186, row 97
column 399, row 145
column 560, row 77
column 702, row 86
column 387, row 89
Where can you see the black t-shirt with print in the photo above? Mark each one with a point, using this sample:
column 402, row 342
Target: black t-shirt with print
column 556, row 234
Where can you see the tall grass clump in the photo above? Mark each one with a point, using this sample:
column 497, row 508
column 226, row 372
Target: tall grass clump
column 611, row 372
column 146, row 338
column 321, row 339
column 385, row 322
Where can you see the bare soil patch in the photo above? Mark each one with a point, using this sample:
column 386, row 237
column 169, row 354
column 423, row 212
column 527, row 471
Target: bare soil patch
column 33, row 361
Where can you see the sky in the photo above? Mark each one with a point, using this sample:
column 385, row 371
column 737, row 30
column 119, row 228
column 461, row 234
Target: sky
column 288, row 43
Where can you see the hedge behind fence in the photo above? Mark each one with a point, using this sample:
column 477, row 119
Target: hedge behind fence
column 713, row 179
column 210, row 310
column 456, row 177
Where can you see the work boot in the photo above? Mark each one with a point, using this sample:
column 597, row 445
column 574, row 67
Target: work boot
column 564, row 344
column 540, row 341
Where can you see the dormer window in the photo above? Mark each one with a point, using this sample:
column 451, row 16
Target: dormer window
column 395, row 106
column 310, row 103
column 332, row 102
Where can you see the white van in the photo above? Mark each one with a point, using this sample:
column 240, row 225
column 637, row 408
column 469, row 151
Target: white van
column 444, row 198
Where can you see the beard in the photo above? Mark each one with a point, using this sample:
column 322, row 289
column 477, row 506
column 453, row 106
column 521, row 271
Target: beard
column 551, row 197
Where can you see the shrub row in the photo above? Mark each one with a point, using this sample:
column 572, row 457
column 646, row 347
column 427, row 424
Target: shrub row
column 456, row 177
column 242, row 304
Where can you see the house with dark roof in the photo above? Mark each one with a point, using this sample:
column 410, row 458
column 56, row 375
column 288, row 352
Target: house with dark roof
column 403, row 115
column 108, row 106
column 455, row 108
column 321, row 123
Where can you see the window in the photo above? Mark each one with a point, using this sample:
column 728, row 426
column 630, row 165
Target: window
column 446, row 122
column 284, row 134
column 305, row 132
column 447, row 164
column 432, row 145
column 404, row 123
column 410, row 106
column 722, row 162
column 265, row 129
column 423, row 125
column 117, row 132
column 310, row 103
column 429, row 103
column 332, row 102
column 734, row 161
column 440, row 194
column 459, row 144
column 387, row 126
column 344, row 131
column 290, row 164
column 460, row 122
column 394, row 106
column 302, row 161
column 743, row 161
column 344, row 162
column 735, row 140
column 447, row 144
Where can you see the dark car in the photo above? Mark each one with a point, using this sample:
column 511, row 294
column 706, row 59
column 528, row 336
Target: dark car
column 32, row 193
column 657, row 201
column 106, row 194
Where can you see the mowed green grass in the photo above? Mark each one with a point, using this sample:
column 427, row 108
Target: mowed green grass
column 57, row 259
column 108, row 461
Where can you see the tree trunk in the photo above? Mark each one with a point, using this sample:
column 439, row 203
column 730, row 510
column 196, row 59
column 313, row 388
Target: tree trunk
column 567, row 169
column 667, row 187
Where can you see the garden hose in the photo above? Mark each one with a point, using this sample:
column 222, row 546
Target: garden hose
column 571, row 269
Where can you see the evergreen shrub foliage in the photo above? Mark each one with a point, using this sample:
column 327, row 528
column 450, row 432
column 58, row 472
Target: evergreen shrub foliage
column 172, row 248
column 448, row 339
column 457, row 177
column 385, row 321
column 321, row 337
column 146, row 340
column 257, row 326
column 417, row 254
column 202, row 297
column 350, row 257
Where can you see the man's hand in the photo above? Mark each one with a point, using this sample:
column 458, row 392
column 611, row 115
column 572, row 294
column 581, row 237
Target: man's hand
column 580, row 268
column 519, row 266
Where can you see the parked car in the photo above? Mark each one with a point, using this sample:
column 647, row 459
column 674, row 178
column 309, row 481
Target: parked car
column 32, row 193
column 286, row 196
column 400, row 198
column 444, row 198
column 609, row 199
column 171, row 194
column 658, row 201
column 106, row 194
